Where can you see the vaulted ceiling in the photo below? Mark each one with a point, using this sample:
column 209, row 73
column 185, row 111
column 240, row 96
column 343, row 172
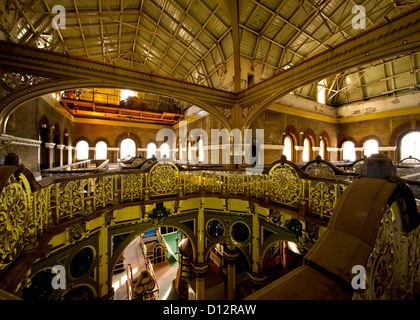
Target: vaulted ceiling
column 198, row 40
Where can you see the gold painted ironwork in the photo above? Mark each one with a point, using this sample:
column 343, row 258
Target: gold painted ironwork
column 25, row 214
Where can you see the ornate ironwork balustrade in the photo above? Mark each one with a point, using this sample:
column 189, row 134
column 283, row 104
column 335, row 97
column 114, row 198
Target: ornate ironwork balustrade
column 28, row 209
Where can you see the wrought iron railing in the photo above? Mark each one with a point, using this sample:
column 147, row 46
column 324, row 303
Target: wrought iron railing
column 27, row 209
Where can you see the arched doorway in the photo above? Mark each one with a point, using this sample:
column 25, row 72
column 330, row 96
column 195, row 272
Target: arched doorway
column 154, row 251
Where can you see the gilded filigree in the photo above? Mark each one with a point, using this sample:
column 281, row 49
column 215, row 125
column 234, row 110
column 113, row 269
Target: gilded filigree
column 14, row 208
column 163, row 179
column 392, row 269
column 285, row 185
column 320, row 170
column 322, row 197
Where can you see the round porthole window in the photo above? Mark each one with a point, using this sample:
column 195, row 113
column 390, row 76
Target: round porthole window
column 81, row 262
column 240, row 232
column 215, row 228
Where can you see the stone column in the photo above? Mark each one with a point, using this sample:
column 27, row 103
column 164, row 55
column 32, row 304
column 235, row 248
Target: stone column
column 299, row 153
column 50, row 146
column 231, row 255
column 69, row 154
column 316, row 151
column 359, row 152
column 60, row 148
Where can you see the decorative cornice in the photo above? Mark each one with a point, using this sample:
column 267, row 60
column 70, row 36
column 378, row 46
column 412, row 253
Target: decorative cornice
column 50, row 145
column 12, row 140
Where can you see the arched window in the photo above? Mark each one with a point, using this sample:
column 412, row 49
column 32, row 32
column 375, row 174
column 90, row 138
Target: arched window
column 101, row 150
column 349, row 153
column 127, row 148
column 82, row 150
column 165, row 151
column 410, row 145
column 151, row 150
column 306, row 150
column 370, row 147
column 322, row 148
column 288, row 145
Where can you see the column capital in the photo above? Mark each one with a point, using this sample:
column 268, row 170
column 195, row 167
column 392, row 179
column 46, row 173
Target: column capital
column 257, row 279
column 231, row 254
column 200, row 269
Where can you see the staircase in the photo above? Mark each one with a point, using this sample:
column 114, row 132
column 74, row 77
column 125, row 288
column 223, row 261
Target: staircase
column 184, row 277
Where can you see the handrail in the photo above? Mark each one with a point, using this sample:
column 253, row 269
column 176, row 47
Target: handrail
column 130, row 281
column 408, row 159
column 67, row 166
column 81, row 167
column 335, row 169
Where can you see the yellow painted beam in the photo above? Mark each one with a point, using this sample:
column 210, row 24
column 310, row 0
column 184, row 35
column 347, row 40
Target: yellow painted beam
column 381, row 115
column 321, row 117
column 301, row 113
column 120, row 123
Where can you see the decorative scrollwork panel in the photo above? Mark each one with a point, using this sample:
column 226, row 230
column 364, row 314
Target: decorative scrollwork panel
column 393, row 267
column 15, row 206
column 163, row 179
column 235, row 183
column 285, row 185
column 104, row 191
column 191, row 182
column 322, row 197
column 69, row 199
column 131, row 187
column 213, row 182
